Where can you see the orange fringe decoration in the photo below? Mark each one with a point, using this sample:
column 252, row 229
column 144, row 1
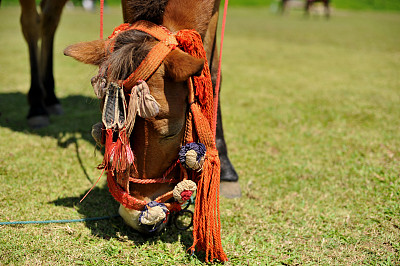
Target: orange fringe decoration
column 206, row 220
column 118, row 156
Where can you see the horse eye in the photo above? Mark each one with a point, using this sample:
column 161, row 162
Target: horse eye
column 170, row 136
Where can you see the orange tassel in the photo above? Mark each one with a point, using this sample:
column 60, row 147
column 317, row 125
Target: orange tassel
column 206, row 220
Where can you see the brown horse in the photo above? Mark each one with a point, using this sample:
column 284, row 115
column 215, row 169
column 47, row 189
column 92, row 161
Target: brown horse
column 41, row 26
column 155, row 140
column 41, row 97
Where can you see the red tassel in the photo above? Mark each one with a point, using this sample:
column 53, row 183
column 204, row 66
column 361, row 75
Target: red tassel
column 109, row 150
column 123, row 155
column 118, row 157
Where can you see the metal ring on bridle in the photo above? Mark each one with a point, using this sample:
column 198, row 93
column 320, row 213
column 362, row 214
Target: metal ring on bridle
column 181, row 213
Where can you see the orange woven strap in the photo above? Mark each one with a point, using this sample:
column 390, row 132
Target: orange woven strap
column 148, row 66
column 119, row 29
column 156, row 55
column 161, row 33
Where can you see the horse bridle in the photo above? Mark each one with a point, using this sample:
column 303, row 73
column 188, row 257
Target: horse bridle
column 198, row 158
column 116, row 95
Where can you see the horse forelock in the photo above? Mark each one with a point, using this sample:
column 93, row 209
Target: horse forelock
column 130, row 48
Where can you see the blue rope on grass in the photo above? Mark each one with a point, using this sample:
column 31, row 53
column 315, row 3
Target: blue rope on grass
column 61, row 221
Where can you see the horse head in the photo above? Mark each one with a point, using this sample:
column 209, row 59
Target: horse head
column 157, row 95
column 155, row 141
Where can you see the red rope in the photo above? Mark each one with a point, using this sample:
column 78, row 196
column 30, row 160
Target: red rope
column 217, row 85
column 87, row 193
column 101, row 18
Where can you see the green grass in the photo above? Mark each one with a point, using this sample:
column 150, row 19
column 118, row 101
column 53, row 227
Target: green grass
column 311, row 116
column 340, row 4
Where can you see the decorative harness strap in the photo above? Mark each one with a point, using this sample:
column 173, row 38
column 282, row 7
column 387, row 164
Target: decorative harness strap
column 202, row 158
column 157, row 54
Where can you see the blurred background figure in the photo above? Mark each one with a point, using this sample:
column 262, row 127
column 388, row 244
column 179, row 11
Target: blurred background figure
column 308, row 5
column 88, row 5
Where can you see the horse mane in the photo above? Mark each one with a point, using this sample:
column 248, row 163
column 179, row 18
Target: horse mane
column 151, row 10
column 174, row 14
column 132, row 46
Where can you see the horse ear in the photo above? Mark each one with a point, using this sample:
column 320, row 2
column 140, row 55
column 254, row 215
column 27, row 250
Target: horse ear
column 87, row 52
column 180, row 66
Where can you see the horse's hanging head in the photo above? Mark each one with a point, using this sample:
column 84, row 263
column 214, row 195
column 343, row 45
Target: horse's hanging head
column 155, row 141
column 147, row 85
column 167, row 85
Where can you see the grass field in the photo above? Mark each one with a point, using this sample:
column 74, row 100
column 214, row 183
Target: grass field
column 311, row 114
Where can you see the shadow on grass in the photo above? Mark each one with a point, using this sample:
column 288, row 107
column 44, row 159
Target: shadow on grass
column 80, row 114
column 100, row 203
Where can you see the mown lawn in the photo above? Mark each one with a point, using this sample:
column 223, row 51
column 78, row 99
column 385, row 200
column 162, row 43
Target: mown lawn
column 312, row 118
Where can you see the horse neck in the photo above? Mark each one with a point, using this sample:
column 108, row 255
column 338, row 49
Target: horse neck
column 199, row 15
column 188, row 14
column 174, row 14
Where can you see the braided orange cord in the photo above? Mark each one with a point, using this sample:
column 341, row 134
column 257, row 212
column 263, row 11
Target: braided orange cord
column 158, row 180
column 164, row 197
column 119, row 29
column 184, row 173
column 123, row 197
column 130, row 202
column 153, row 181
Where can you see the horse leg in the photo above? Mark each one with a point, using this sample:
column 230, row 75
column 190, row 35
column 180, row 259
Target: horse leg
column 307, row 7
column 230, row 187
column 283, row 6
column 30, row 24
column 229, row 178
column 327, row 9
column 51, row 13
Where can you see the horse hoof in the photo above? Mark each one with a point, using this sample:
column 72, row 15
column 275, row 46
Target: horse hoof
column 39, row 121
column 228, row 172
column 230, row 190
column 55, row 109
